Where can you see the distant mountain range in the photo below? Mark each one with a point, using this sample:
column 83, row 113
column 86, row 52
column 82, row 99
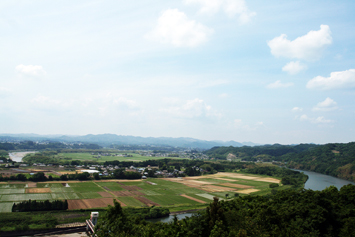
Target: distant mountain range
column 113, row 139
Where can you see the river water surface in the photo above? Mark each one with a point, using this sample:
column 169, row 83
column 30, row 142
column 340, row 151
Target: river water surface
column 319, row 182
column 17, row 156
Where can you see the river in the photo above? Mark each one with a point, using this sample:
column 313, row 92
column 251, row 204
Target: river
column 17, row 156
column 319, row 182
column 171, row 217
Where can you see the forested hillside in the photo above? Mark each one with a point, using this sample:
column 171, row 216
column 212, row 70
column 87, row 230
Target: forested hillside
column 336, row 159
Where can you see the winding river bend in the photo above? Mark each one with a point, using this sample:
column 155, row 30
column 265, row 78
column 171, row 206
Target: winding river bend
column 319, row 182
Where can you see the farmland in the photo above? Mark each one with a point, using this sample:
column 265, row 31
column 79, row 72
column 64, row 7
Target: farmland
column 121, row 157
column 175, row 193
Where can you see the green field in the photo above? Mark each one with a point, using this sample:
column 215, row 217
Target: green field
column 165, row 193
column 89, row 157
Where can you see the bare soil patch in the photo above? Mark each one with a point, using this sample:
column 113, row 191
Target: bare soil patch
column 146, row 201
column 38, row 190
column 191, row 198
column 32, row 185
column 132, row 188
column 91, row 203
column 137, row 193
column 214, row 188
column 231, row 180
column 105, row 194
column 122, row 193
column 76, row 204
column 247, row 191
column 236, row 185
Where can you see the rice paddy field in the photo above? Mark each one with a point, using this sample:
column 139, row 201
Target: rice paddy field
column 174, row 193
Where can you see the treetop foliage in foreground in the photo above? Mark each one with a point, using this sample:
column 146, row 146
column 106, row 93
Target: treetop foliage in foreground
column 287, row 213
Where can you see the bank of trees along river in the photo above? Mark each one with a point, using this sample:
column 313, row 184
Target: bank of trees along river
column 335, row 159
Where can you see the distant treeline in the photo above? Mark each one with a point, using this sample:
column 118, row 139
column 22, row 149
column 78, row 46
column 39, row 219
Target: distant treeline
column 336, row 159
column 47, row 205
column 30, row 145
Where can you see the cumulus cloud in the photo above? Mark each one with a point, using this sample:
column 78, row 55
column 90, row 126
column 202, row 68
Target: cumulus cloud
column 175, row 28
column 308, row 47
column 337, row 80
column 278, row 84
column 294, row 67
column 31, row 70
column 297, row 109
column 191, row 109
column 318, row 120
column 327, row 105
column 230, row 7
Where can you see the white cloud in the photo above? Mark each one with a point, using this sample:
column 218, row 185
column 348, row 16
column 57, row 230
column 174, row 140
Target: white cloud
column 230, row 7
column 44, row 100
column 327, row 105
column 297, row 109
column 223, row 95
column 294, row 67
column 4, row 92
column 318, row 120
column 175, row 28
column 279, row 84
column 31, row 70
column 308, row 47
column 191, row 109
column 337, row 80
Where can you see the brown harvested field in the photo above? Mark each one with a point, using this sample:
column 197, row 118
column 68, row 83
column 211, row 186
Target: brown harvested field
column 236, row 185
column 146, row 201
column 32, row 185
column 137, row 193
column 247, row 191
column 76, row 204
column 105, row 194
column 132, row 188
column 214, row 188
column 91, row 203
column 231, row 180
column 191, row 198
column 38, row 190
column 122, row 193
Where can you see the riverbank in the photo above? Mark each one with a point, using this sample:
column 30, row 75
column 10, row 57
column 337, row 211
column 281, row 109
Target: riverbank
column 17, row 156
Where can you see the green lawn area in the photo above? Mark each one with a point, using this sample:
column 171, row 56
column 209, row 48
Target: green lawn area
column 26, row 196
column 6, row 206
column 113, row 186
column 171, row 200
column 12, row 191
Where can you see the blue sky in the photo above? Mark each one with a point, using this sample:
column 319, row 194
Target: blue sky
column 245, row 70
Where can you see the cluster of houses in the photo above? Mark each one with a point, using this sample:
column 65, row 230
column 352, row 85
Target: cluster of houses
column 108, row 170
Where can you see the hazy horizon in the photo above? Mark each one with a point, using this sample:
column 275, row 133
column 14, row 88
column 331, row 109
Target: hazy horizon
column 243, row 70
